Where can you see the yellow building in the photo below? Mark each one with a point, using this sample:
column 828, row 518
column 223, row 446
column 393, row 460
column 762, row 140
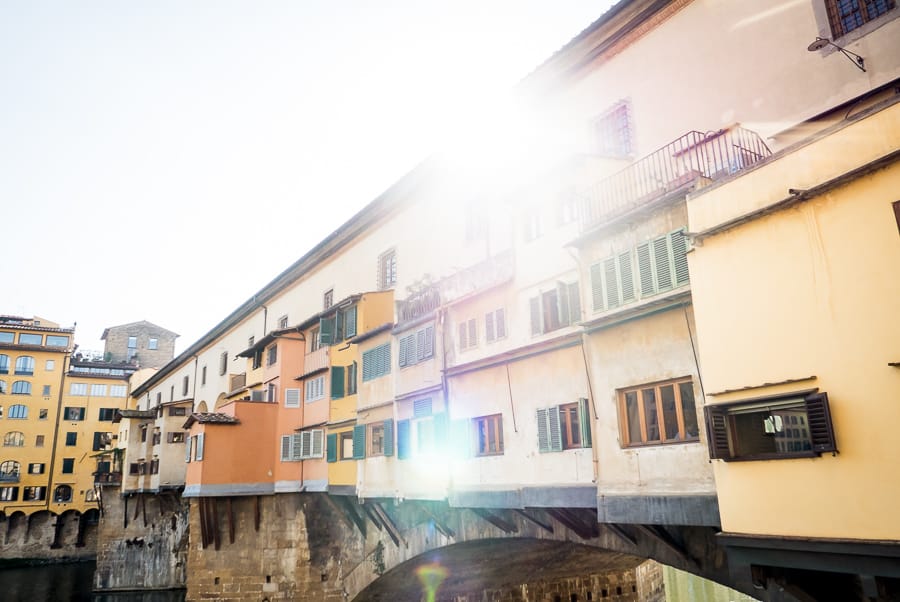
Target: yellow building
column 33, row 358
column 796, row 301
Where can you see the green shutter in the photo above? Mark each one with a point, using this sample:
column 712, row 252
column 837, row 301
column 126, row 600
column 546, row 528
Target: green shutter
column 460, row 442
column 403, row 440
column 331, row 450
column 663, row 267
column 359, row 441
column 326, row 331
column 389, row 437
column 562, row 305
column 404, row 352
column 351, row 378
column 337, row 382
column 338, row 326
column 597, row 292
column 543, row 431
column 626, row 276
column 645, row 270
column 610, row 278
column 679, row 257
column 584, row 419
column 350, row 322
column 534, row 305
column 441, row 431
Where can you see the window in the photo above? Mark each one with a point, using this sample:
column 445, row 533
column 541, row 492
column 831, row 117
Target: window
column 175, row 437
column 9, row 470
column 338, row 327
column 21, row 387
column 185, row 385
column 198, row 455
column 73, row 414
column 9, row 494
column 102, row 441
column 4, row 364
column 68, row 465
column 49, row 366
column 328, row 299
column 380, row 437
column 345, row 443
column 566, row 426
column 46, row 391
column 98, row 390
column 7, row 337
column 283, row 322
column 62, row 494
column 18, row 411
column 532, row 226
column 203, row 376
column 90, row 495
column 612, row 130
column 846, row 15
column 118, row 390
column 315, row 343
column 106, row 414
column 39, row 441
column 54, row 340
column 172, row 393
column 2, row 387
column 794, row 426
column 71, row 439
column 143, row 433
column 292, row 398
column 376, row 362
column 488, row 435
column 154, row 466
column 158, row 398
column 468, row 334
column 659, row 413
column 652, row 267
column 315, row 388
column 567, row 207
column 495, row 325
column 14, row 439
column 180, row 411
column 302, row 446
column 153, row 344
column 351, row 378
column 25, row 365
column 34, row 494
column 30, row 339
column 223, row 363
column 78, row 389
column 42, row 414
column 271, row 393
column 555, row 308
column 271, row 355
column 36, row 468
column 137, row 468
column 422, row 434
column 417, row 346
column 387, row 269
column 376, row 439
column 257, row 358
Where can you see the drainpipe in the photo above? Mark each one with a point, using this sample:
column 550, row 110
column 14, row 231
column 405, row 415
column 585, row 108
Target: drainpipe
column 59, row 401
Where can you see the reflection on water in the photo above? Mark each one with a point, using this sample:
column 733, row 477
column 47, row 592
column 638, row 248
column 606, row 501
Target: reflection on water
column 67, row 583
column 684, row 587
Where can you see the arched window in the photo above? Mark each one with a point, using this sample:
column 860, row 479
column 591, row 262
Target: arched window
column 2, row 386
column 4, row 364
column 14, row 439
column 18, row 411
column 62, row 493
column 21, row 387
column 9, row 470
column 25, row 365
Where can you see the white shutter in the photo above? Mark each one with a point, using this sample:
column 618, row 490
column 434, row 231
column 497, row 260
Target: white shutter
column 543, row 431
column 555, row 431
column 292, row 398
column 663, row 267
column 489, row 327
column 287, row 446
column 300, row 446
column 317, row 447
column 500, row 319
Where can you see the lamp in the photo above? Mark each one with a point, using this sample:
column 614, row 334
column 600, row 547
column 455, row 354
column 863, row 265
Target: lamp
column 821, row 43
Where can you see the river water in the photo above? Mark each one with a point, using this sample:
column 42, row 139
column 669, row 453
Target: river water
column 67, row 583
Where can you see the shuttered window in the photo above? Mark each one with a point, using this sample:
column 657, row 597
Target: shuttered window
column 652, row 267
column 494, row 325
column 658, row 413
column 359, row 441
column 555, row 308
column 417, row 346
column 303, row 445
column 376, row 362
column 349, row 316
column 337, row 382
column 565, row 426
column 315, row 389
column 292, row 398
column 787, row 427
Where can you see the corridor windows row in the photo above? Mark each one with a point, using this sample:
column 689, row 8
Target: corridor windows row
column 36, row 494
column 22, row 387
column 24, row 365
column 555, row 308
column 649, row 268
column 494, row 329
column 658, row 413
column 25, row 338
column 417, row 346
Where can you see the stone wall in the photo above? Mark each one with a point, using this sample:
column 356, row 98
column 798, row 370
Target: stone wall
column 142, row 542
column 116, row 347
column 47, row 537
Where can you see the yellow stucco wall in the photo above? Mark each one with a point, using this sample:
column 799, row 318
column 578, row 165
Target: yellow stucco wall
column 810, row 291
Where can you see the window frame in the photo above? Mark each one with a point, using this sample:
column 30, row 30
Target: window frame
column 612, row 131
column 563, row 311
column 376, row 362
column 549, row 427
column 625, row 434
column 492, row 423
column 387, row 269
column 836, row 28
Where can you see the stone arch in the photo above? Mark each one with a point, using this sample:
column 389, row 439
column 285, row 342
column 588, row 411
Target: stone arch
column 220, row 401
column 201, row 407
column 66, row 529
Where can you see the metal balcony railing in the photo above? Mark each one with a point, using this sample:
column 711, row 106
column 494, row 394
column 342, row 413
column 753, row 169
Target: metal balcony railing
column 676, row 166
column 107, row 478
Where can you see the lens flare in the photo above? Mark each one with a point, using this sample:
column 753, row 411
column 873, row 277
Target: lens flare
column 431, row 576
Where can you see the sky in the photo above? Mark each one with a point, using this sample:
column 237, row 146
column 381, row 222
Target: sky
column 164, row 160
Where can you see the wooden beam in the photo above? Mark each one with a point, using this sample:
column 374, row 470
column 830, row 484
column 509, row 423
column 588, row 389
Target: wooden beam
column 144, row 508
column 545, row 526
column 573, row 524
column 620, row 532
column 201, row 511
column 372, row 516
column 256, row 513
column 124, row 514
column 389, row 524
column 438, row 523
column 215, row 520
column 230, row 522
column 338, row 510
column 354, row 516
column 659, row 534
column 500, row 523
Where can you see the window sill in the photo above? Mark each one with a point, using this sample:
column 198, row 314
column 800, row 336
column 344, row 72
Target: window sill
column 759, row 457
column 659, row 443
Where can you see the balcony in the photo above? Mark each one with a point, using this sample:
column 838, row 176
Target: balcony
column 674, row 169
column 315, row 361
column 483, row 275
column 107, row 478
column 237, row 382
column 419, row 304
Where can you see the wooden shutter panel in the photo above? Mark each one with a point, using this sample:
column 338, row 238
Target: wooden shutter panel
column 421, row 345
column 584, row 420
column 555, row 430
column 535, row 306
column 331, row 447
column 717, row 432
column 463, row 343
column 543, row 428
column 350, row 322
column 429, row 342
column 368, row 359
column 187, row 448
column 574, row 303
column 403, row 358
column 645, row 270
column 500, row 317
column 403, row 440
column 422, row 408
column 326, row 331
column 318, row 436
column 473, row 333
column 679, row 255
column 597, row 292
column 389, row 437
column 292, row 398
column 359, row 441
column 611, row 281
column 489, row 326
column 337, row 382
column 338, row 326
column 562, row 303
column 626, row 276
column 821, row 429
column 301, row 445
column 661, row 259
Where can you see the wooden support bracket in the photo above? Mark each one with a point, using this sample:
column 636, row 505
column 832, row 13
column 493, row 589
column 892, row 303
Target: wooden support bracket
column 439, row 524
column 351, row 512
column 389, row 524
column 372, row 517
column 230, row 522
column 659, row 534
column 620, row 532
column 500, row 523
column 545, row 526
column 573, row 522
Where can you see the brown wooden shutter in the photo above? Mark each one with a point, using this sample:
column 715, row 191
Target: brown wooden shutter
column 717, row 432
column 821, row 430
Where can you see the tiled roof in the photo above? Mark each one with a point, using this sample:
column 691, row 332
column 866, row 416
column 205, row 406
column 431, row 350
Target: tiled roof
column 210, row 418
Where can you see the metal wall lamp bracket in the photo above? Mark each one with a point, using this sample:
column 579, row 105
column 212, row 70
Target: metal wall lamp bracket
column 854, row 58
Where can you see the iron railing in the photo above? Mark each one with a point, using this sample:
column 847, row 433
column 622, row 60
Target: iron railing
column 676, row 166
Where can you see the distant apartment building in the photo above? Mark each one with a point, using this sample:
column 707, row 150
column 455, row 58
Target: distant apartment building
column 141, row 343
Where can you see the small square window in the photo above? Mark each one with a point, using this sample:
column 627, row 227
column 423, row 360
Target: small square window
column 345, row 445
column 153, row 344
column 328, row 299
column 387, row 270
column 488, row 435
